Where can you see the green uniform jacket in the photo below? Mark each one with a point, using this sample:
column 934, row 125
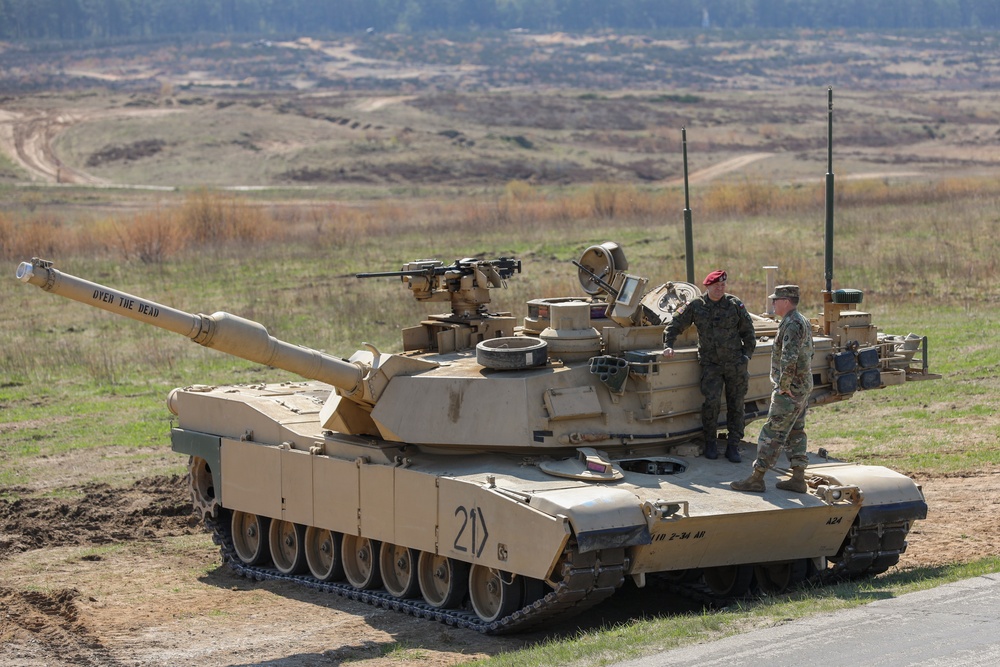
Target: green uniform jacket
column 725, row 330
column 791, row 356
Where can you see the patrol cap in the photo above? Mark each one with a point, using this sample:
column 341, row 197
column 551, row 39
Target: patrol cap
column 714, row 277
column 785, row 292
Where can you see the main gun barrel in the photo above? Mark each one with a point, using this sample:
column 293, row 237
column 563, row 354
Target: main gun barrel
column 221, row 331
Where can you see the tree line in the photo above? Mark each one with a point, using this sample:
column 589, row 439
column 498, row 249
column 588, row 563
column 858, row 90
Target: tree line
column 109, row 19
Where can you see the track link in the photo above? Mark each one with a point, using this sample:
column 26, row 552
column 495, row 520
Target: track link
column 587, row 579
column 869, row 550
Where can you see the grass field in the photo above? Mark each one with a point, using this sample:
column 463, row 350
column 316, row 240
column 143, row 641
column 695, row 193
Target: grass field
column 79, row 383
column 65, row 366
column 273, row 192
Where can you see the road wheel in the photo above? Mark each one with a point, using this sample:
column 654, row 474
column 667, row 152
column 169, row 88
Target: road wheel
column 729, row 581
column 250, row 537
column 494, row 593
column 399, row 570
column 443, row 581
column 360, row 556
column 777, row 578
column 288, row 546
column 323, row 554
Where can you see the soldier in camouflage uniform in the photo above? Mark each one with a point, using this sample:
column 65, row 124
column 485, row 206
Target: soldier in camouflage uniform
column 726, row 342
column 791, row 373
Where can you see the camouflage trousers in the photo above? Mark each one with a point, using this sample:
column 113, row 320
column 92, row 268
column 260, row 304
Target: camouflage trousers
column 784, row 430
column 736, row 379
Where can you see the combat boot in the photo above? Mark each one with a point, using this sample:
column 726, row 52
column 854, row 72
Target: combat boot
column 755, row 482
column 796, row 483
column 733, row 452
column 711, row 448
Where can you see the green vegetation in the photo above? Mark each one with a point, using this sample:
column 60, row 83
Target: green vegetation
column 945, row 426
column 96, row 553
column 77, row 19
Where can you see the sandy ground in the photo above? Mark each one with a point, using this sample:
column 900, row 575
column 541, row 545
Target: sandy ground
column 127, row 577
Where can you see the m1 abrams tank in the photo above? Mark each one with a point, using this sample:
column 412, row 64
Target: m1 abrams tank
column 498, row 474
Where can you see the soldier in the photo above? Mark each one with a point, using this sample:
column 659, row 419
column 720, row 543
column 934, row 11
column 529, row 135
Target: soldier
column 791, row 373
column 725, row 344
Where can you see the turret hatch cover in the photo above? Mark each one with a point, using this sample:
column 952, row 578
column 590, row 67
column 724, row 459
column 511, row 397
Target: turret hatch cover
column 590, row 466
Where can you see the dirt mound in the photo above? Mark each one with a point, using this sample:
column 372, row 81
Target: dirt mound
column 151, row 508
column 134, row 151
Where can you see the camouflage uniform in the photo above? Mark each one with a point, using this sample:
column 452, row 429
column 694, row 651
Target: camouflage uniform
column 726, row 342
column 791, row 361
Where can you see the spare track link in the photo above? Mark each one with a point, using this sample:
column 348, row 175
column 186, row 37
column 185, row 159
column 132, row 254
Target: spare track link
column 870, row 550
column 587, row 580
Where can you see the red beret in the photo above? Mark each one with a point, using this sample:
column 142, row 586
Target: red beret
column 714, row 277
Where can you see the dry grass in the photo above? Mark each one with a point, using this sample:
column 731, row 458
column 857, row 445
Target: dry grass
column 866, row 210
column 292, row 267
column 203, row 219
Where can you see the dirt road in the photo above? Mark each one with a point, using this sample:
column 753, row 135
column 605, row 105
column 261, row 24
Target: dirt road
column 26, row 139
column 721, row 168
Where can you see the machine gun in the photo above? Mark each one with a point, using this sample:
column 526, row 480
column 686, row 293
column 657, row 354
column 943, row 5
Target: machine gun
column 504, row 266
column 465, row 283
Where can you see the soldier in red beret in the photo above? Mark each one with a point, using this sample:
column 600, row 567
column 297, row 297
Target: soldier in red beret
column 726, row 342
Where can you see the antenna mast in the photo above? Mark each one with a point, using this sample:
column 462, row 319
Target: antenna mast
column 829, row 193
column 688, row 232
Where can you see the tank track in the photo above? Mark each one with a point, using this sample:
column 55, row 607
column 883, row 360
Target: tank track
column 866, row 552
column 588, row 579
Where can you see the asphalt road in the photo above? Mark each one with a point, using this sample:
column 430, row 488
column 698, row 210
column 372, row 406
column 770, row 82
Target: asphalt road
column 955, row 625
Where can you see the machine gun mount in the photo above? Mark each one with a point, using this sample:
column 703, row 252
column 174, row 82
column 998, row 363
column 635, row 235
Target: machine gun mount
column 466, row 284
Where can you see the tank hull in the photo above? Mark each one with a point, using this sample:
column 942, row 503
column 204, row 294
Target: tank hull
column 265, row 453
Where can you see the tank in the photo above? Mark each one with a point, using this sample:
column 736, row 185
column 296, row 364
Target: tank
column 500, row 472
